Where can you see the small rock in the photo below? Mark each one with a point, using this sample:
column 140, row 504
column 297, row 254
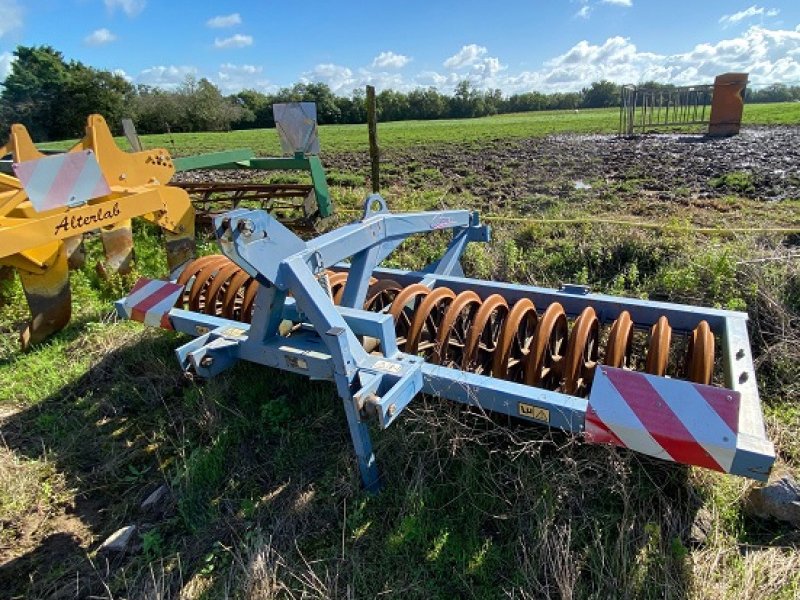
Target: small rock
column 119, row 541
column 154, row 500
column 701, row 526
column 779, row 499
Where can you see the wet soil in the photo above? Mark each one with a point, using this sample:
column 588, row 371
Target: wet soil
column 761, row 162
column 758, row 163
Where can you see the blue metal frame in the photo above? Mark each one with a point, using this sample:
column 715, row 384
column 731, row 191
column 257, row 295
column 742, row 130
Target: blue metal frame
column 381, row 386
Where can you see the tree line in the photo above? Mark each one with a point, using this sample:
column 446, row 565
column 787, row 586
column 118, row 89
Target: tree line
column 52, row 97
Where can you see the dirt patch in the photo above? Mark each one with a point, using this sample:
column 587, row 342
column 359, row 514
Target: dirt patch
column 759, row 163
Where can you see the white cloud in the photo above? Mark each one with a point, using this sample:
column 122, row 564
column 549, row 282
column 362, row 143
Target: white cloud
column 468, row 55
column 390, row 60
column 337, row 77
column 123, row 74
column 222, row 21
column 129, row 7
column 235, row 41
column 233, row 78
column 589, row 6
column 244, row 69
column 472, row 62
column 747, row 13
column 10, row 16
column 768, row 55
column 99, row 37
column 343, row 80
column 168, row 77
column 6, row 60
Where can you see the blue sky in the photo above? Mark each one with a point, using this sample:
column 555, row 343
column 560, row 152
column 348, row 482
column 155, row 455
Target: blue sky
column 546, row 45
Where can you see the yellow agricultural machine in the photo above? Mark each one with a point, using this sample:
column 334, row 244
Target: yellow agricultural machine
column 54, row 200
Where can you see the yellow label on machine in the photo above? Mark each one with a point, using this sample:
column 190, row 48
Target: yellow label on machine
column 534, row 412
column 234, row 332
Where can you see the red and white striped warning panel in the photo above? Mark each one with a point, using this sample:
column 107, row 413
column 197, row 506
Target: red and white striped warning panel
column 69, row 179
column 666, row 418
column 150, row 301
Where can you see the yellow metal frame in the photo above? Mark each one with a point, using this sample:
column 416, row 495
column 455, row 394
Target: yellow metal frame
column 35, row 243
column 138, row 185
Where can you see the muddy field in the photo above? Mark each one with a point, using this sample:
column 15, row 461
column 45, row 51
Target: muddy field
column 760, row 163
column 557, row 165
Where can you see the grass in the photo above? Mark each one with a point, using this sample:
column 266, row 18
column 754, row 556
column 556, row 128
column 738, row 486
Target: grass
column 404, row 134
column 264, row 499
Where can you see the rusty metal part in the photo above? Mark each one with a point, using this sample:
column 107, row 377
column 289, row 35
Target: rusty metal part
column 202, row 282
column 582, row 349
column 235, row 193
column 424, row 331
column 403, row 309
column 484, row 335
column 76, row 253
column 515, row 341
column 292, row 203
column 700, row 354
column 336, row 283
column 544, row 364
column 216, row 286
column 118, row 248
column 454, row 329
column 233, row 300
column 620, row 342
column 341, row 283
column 658, row 348
column 727, row 104
column 720, row 106
column 49, row 299
column 381, row 294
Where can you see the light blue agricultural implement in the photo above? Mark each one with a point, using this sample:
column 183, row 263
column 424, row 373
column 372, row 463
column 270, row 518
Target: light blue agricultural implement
column 383, row 336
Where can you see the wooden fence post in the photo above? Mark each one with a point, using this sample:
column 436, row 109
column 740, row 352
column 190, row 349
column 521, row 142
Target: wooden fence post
column 374, row 150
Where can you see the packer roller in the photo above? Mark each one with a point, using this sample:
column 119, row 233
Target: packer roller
column 671, row 381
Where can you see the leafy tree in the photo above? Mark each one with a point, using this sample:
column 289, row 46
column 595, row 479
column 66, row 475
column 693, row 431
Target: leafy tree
column 32, row 91
column 461, row 104
column 194, row 106
column 88, row 91
column 156, row 110
column 777, row 92
column 53, row 98
column 354, row 108
column 392, row 105
column 601, row 94
column 259, row 105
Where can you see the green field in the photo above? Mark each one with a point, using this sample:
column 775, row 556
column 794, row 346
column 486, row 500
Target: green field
column 264, row 497
column 401, row 134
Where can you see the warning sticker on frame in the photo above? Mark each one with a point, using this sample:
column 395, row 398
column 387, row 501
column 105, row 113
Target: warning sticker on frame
column 534, row 412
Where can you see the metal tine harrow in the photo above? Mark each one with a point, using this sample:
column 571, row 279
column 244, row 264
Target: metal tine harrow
column 671, row 381
column 299, row 206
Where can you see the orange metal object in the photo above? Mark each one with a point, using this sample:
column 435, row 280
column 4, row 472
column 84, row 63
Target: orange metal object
column 727, row 104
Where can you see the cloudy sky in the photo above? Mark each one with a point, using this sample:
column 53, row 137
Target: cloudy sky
column 545, row 45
